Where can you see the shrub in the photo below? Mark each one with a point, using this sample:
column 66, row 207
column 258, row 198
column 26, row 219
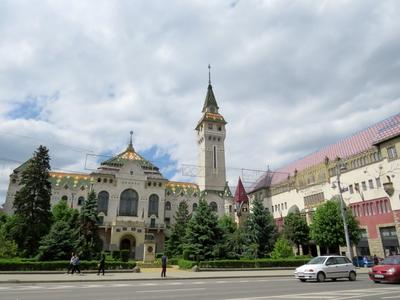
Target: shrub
column 21, row 265
column 116, row 255
column 186, row 264
column 282, row 249
column 173, row 261
column 124, row 255
column 251, row 263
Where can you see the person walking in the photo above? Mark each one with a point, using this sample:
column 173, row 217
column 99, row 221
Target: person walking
column 376, row 260
column 102, row 263
column 164, row 261
column 71, row 265
column 75, row 264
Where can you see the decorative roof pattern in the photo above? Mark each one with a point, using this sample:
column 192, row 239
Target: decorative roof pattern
column 344, row 148
column 240, row 193
column 70, row 180
column 182, row 188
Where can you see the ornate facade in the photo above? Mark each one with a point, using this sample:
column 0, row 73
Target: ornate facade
column 136, row 203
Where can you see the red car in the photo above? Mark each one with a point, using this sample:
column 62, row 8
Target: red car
column 388, row 270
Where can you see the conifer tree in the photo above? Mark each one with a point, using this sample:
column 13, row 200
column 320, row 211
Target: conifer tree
column 88, row 245
column 202, row 233
column 32, row 202
column 260, row 230
column 174, row 245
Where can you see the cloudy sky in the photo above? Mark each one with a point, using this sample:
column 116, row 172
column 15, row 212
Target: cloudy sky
column 289, row 77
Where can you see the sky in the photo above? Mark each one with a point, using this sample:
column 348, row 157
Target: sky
column 290, row 77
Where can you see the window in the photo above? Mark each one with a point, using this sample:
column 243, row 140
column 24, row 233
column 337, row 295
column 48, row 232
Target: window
column 357, row 187
column 378, row 182
column 364, row 186
column 128, row 203
column 102, row 202
column 351, row 190
column 167, row 221
column 215, row 157
column 214, row 206
column 153, row 205
column 64, row 198
column 392, row 154
column 194, row 206
column 167, row 205
column 105, row 180
column 285, row 205
column 81, row 200
column 371, row 184
column 210, row 126
column 272, row 208
column 219, row 127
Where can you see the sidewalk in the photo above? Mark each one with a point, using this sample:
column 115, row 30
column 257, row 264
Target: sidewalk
column 146, row 274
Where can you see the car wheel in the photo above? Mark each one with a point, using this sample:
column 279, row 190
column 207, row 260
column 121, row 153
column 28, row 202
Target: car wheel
column 376, row 281
column 321, row 277
column 302, row 280
column 352, row 276
column 333, row 279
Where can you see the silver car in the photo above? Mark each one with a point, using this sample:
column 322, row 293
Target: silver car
column 323, row 267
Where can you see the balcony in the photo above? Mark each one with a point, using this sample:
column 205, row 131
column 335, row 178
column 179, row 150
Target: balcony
column 154, row 226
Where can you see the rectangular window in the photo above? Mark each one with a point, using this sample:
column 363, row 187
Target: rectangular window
column 272, row 208
column 357, row 187
column 392, row 154
column 371, row 183
column 210, row 126
column 285, row 205
column 215, row 157
column 364, row 186
column 378, row 182
column 351, row 190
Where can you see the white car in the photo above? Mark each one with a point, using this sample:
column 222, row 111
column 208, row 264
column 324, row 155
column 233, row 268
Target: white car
column 322, row 267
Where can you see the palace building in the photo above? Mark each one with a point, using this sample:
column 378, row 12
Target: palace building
column 136, row 203
column 370, row 181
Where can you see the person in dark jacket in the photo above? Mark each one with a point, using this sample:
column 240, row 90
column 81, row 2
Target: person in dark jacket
column 102, row 263
column 164, row 261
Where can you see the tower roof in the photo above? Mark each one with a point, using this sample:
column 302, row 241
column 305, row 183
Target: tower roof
column 210, row 99
column 240, row 193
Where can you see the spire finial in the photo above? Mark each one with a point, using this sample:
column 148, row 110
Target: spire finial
column 130, row 141
column 209, row 74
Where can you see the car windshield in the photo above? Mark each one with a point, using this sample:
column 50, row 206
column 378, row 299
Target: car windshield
column 390, row 261
column 317, row 260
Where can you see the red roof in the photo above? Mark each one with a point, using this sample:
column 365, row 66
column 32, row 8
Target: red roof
column 344, row 148
column 240, row 193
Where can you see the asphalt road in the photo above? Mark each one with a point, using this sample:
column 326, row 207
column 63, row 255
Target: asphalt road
column 226, row 289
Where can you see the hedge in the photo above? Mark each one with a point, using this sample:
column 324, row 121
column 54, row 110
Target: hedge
column 186, row 264
column 19, row 265
column 251, row 263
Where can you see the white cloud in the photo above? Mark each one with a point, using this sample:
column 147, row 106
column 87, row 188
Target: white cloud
column 289, row 77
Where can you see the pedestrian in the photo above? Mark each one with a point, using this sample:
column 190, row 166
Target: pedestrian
column 365, row 261
column 164, row 260
column 101, row 264
column 71, row 265
column 76, row 263
column 376, row 260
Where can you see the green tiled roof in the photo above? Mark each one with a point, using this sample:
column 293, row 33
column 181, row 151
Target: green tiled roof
column 70, row 180
column 210, row 99
column 182, row 188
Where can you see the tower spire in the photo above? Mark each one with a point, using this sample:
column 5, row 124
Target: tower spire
column 130, row 146
column 209, row 74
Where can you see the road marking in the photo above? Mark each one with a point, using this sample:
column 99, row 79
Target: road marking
column 120, row 285
column 60, row 287
column 244, row 281
column 148, row 284
column 170, row 290
column 222, row 281
column 198, row 282
column 173, row 283
column 391, row 297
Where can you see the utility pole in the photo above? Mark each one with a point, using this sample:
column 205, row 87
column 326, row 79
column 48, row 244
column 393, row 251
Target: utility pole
column 349, row 252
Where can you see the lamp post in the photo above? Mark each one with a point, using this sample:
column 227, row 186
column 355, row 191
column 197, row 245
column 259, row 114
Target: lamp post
column 349, row 252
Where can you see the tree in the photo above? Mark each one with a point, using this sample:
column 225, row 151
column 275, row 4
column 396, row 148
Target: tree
column 202, row 232
column 59, row 242
column 327, row 226
column 174, row 245
column 260, row 230
column 32, row 202
column 225, row 248
column 8, row 248
column 282, row 249
column 88, row 244
column 296, row 230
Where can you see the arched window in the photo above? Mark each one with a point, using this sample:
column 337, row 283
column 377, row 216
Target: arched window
column 102, row 202
column 214, row 206
column 81, row 200
column 167, row 205
column 153, row 205
column 194, row 207
column 128, row 203
column 64, row 198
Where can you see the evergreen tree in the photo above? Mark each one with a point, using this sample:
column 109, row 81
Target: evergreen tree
column 327, row 226
column 296, row 230
column 225, row 248
column 59, row 242
column 174, row 245
column 8, row 247
column 202, row 233
column 88, row 244
column 32, row 202
column 260, row 230
column 282, row 249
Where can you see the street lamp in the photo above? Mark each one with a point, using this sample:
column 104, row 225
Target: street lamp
column 339, row 168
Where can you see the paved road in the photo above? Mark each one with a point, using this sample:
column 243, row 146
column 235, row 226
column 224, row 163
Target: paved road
column 218, row 289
